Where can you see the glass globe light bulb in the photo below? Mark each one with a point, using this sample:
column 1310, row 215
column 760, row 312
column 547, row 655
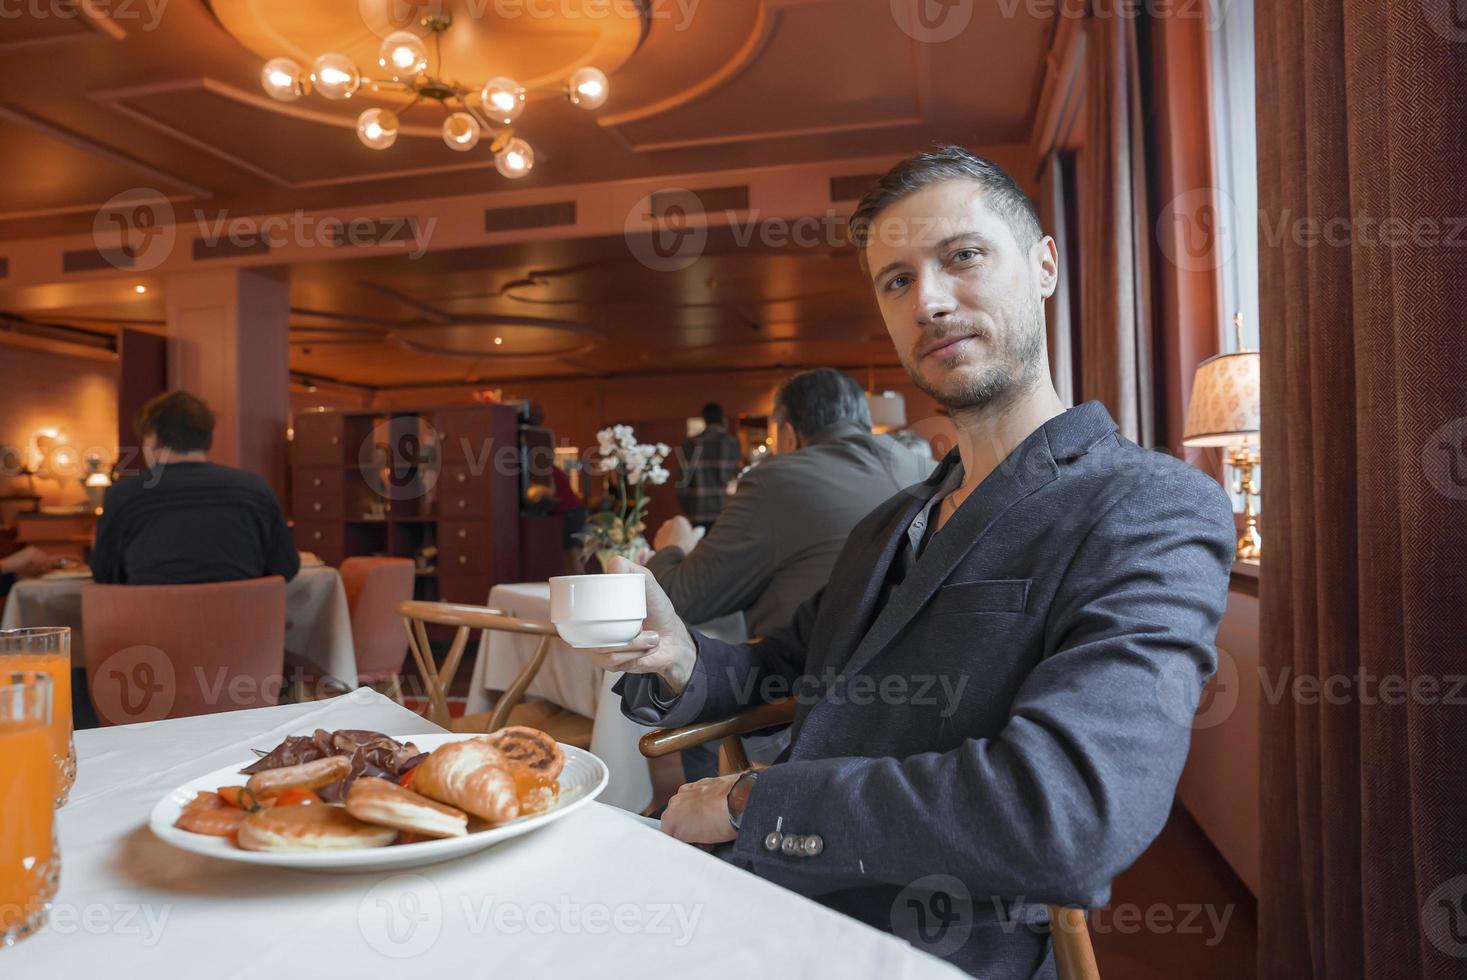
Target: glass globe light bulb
column 516, row 159
column 377, row 128
column 403, row 55
column 335, row 76
column 281, row 78
column 503, row 98
column 589, row 88
column 461, row 131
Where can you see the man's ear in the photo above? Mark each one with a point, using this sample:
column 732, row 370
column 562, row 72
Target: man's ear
column 1045, row 256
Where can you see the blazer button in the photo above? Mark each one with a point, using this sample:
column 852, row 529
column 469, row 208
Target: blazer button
column 772, row 842
column 813, row 845
column 792, row 844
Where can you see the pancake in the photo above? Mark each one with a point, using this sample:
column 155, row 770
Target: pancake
column 315, row 827
column 528, row 750
column 383, row 802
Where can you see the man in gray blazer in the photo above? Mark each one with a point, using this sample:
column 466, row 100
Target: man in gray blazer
column 777, row 537
column 996, row 687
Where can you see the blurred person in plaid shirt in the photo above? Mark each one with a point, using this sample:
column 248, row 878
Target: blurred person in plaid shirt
column 710, row 460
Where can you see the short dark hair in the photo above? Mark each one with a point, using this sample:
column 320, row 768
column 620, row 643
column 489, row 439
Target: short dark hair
column 815, row 400
column 1001, row 193
column 713, row 413
column 179, row 421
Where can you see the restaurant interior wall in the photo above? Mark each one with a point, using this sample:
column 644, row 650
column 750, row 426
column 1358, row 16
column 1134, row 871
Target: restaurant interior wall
column 77, row 395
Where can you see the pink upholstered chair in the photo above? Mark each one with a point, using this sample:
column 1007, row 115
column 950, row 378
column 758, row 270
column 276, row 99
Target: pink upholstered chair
column 170, row 651
column 375, row 587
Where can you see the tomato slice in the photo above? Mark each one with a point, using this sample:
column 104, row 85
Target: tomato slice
column 407, row 778
column 297, row 797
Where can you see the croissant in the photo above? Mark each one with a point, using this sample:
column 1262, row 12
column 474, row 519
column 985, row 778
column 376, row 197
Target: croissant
column 471, row 775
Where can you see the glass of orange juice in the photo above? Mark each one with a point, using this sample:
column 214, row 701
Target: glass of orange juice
column 30, row 865
column 47, row 650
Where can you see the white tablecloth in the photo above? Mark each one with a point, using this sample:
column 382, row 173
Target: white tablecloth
column 317, row 620
column 596, row 895
column 567, row 678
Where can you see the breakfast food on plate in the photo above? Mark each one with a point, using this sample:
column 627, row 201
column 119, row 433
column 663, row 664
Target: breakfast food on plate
column 209, row 814
column 370, row 753
column 386, row 803
column 309, row 828
column 471, row 775
column 350, row 788
column 535, row 762
column 307, row 775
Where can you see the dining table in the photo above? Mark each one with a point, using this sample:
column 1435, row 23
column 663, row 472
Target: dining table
column 599, row 893
column 317, row 619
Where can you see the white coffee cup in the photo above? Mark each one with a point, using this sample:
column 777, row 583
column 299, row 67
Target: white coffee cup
column 598, row 610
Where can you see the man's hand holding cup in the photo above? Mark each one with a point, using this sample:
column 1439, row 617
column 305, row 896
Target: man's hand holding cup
column 624, row 624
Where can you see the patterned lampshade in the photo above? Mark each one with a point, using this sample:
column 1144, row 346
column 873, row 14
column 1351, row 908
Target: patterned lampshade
column 1224, row 410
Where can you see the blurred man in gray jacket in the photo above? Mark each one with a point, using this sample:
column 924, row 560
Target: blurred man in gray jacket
column 776, row 539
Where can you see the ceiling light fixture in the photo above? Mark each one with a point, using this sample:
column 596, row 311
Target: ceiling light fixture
column 472, row 113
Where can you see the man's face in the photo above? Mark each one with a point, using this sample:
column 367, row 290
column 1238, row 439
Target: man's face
column 963, row 300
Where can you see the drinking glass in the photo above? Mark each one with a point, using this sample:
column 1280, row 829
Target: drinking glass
column 48, row 650
column 30, row 864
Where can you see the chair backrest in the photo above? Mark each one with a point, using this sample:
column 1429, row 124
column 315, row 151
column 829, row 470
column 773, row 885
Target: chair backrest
column 418, row 616
column 170, row 651
column 374, row 589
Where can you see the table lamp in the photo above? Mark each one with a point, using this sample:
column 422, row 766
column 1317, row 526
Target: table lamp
column 1224, row 411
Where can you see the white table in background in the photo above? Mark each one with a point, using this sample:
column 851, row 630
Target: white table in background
column 569, row 679
column 596, row 895
column 317, row 620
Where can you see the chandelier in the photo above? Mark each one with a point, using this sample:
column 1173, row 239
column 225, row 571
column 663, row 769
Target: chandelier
column 490, row 108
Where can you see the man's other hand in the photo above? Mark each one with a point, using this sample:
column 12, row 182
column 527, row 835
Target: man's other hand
column 678, row 533
column 698, row 814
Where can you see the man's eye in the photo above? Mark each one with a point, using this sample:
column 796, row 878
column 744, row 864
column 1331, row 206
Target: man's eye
column 965, row 255
column 897, row 282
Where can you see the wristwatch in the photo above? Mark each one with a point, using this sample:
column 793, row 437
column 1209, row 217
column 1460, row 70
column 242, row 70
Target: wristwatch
column 738, row 796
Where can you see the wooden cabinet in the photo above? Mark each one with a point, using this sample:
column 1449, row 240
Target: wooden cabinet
column 365, row 483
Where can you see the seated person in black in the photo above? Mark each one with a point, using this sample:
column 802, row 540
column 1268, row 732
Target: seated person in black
column 184, row 519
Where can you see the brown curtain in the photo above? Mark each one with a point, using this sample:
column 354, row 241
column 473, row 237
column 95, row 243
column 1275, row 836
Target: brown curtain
column 1364, row 791
column 1116, row 347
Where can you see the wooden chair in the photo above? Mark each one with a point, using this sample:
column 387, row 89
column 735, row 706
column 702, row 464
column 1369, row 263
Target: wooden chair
column 1074, row 958
column 511, row 709
column 173, row 651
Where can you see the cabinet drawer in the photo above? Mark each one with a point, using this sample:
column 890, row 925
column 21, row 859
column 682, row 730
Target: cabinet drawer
column 322, row 538
column 318, row 439
column 462, row 494
column 464, row 547
column 318, row 495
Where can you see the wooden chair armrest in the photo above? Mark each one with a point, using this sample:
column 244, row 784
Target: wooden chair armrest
column 475, row 617
column 665, row 741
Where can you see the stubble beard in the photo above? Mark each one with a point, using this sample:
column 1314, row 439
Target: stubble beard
column 1013, row 369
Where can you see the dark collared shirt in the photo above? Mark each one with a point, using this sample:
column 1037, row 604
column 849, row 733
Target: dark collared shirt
column 919, row 534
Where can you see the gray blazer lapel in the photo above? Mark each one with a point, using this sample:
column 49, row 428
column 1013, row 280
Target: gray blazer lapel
column 1025, row 470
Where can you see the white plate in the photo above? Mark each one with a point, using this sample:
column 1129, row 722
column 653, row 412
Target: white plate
column 582, row 780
